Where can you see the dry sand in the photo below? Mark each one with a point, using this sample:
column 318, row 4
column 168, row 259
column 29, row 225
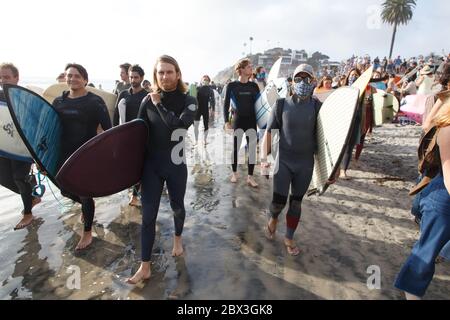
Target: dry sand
column 358, row 223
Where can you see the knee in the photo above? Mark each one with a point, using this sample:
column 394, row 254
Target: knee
column 277, row 205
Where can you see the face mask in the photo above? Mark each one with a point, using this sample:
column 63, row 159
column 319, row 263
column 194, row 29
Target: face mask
column 205, row 82
column 261, row 76
column 303, row 89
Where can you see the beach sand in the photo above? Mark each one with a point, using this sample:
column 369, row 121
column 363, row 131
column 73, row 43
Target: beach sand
column 356, row 224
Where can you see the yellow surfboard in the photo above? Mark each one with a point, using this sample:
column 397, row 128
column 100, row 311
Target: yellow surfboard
column 56, row 90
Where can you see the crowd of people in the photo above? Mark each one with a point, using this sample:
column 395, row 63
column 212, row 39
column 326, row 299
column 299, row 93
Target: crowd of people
column 166, row 106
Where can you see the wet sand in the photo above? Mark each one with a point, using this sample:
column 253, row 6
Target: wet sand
column 356, row 224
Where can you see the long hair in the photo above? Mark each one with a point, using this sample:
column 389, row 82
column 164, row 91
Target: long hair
column 181, row 86
column 358, row 72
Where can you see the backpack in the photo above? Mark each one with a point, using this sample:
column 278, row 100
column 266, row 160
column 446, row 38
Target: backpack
column 429, row 160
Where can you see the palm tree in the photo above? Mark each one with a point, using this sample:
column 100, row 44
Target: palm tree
column 397, row 12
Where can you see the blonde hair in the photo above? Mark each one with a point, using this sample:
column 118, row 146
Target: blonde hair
column 241, row 64
column 181, row 86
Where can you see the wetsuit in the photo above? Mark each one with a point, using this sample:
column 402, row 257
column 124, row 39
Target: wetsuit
column 14, row 175
column 80, row 118
column 205, row 95
column 131, row 102
column 176, row 114
column 296, row 122
column 242, row 98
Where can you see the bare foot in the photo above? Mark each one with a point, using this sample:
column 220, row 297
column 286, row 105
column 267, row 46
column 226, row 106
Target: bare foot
column 251, row 182
column 343, row 175
column 144, row 272
column 234, row 177
column 134, row 202
column 291, row 247
column 177, row 247
column 410, row 296
column 85, row 241
column 26, row 221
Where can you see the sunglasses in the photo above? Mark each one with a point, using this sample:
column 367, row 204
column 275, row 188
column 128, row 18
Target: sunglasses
column 306, row 79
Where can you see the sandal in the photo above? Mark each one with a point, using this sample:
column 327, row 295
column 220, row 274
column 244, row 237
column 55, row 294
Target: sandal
column 270, row 235
column 293, row 250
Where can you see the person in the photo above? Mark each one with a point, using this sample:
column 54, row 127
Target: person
column 325, row 85
column 205, row 98
column 425, row 81
column 61, row 78
column 378, row 81
column 81, row 112
column 295, row 117
column 125, row 83
column 243, row 95
column 147, row 85
column 169, row 112
column 261, row 77
column 130, row 101
column 409, row 85
column 14, row 174
column 434, row 206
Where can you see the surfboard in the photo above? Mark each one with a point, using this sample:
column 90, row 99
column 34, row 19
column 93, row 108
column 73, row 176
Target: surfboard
column 38, row 125
column 322, row 96
column 385, row 107
column 274, row 71
column 56, row 90
column 11, row 144
column 334, row 124
column 407, row 76
column 414, row 106
column 108, row 163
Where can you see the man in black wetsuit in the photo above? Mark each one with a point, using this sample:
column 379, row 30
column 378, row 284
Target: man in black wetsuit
column 241, row 95
column 168, row 112
column 205, row 97
column 127, row 109
column 14, row 174
column 81, row 112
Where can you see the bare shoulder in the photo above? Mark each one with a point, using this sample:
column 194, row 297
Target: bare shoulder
column 444, row 137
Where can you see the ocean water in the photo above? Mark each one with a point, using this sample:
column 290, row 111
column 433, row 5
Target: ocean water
column 42, row 82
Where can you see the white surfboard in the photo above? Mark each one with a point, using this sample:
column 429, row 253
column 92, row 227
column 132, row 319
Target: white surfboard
column 334, row 124
column 385, row 107
column 56, row 90
column 11, row 144
column 274, row 71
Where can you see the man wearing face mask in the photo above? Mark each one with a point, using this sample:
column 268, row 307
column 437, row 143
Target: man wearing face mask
column 295, row 118
column 205, row 97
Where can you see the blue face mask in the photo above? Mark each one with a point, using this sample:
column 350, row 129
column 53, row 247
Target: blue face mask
column 303, row 89
column 261, row 76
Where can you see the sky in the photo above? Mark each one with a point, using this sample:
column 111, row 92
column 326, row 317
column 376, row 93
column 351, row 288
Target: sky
column 205, row 37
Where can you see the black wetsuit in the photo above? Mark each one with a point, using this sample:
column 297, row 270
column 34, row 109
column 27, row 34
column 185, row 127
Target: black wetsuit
column 205, row 96
column 14, row 175
column 164, row 161
column 80, row 119
column 131, row 102
column 242, row 97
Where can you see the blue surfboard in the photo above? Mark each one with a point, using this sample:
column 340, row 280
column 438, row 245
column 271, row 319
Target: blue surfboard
column 39, row 126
